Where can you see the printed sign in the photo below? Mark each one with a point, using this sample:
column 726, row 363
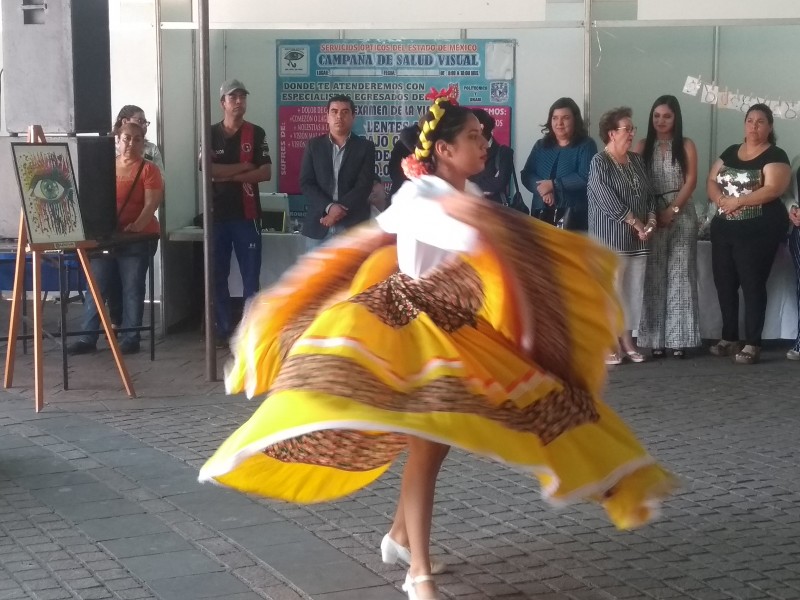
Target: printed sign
column 388, row 81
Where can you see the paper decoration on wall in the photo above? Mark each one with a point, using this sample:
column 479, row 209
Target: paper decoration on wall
column 692, row 86
column 712, row 93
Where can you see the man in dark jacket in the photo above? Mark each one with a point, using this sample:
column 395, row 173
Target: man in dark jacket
column 336, row 175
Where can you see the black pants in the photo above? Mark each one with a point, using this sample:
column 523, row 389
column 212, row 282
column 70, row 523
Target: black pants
column 742, row 256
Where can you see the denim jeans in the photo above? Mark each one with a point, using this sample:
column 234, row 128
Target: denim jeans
column 129, row 264
column 244, row 239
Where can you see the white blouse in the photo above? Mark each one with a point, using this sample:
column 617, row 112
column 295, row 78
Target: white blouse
column 426, row 235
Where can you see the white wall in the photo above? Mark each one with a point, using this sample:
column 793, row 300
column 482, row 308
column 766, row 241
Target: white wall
column 760, row 61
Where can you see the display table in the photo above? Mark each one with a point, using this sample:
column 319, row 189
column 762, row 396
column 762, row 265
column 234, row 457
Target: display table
column 279, row 251
column 781, row 318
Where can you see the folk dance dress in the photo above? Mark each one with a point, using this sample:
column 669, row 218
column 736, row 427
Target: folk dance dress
column 453, row 320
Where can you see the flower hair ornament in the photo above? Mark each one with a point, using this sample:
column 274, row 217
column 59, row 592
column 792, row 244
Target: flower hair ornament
column 414, row 165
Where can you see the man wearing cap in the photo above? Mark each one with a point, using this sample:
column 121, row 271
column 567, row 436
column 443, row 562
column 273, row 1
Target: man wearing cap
column 336, row 175
column 239, row 161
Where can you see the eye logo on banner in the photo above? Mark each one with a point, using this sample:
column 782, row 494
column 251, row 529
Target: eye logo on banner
column 711, row 93
column 293, row 61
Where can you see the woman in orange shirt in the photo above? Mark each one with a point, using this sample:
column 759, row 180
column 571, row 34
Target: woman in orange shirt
column 140, row 190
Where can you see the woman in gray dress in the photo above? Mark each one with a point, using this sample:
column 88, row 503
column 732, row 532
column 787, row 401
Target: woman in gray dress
column 670, row 308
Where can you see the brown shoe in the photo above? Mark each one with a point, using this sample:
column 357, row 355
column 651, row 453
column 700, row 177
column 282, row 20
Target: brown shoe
column 748, row 357
column 725, row 348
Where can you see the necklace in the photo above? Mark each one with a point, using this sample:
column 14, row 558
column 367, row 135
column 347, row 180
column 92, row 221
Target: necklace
column 627, row 172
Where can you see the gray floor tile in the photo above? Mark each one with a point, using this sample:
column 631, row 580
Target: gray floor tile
column 133, row 456
column 314, row 578
column 182, row 483
column 49, row 480
column 143, row 545
column 25, row 453
column 206, row 585
column 170, row 564
column 98, row 510
column 383, row 592
column 67, row 495
column 39, row 466
column 224, row 509
column 12, row 440
column 122, row 527
column 308, row 552
column 259, row 537
column 111, row 442
column 157, row 470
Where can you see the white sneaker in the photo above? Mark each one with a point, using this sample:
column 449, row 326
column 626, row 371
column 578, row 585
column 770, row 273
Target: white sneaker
column 392, row 553
column 793, row 355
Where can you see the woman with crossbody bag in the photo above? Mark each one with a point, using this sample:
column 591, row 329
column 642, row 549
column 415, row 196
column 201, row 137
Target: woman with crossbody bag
column 140, row 190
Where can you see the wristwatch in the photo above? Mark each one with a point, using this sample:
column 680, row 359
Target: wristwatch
column 676, row 209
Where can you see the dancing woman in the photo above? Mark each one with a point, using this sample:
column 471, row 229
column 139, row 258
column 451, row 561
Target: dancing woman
column 435, row 329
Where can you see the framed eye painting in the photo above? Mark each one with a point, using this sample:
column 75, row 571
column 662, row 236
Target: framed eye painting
column 49, row 194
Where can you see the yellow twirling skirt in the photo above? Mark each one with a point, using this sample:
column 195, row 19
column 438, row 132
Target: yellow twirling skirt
column 498, row 353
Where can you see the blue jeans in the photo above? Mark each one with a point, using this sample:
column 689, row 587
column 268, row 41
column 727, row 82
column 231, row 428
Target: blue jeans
column 128, row 264
column 244, row 239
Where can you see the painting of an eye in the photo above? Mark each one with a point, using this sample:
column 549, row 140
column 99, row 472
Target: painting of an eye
column 48, row 190
column 49, row 194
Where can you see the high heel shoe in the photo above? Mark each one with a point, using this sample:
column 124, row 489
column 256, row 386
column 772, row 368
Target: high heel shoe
column 392, row 552
column 410, row 587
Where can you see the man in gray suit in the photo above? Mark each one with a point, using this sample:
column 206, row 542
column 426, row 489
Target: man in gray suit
column 336, row 175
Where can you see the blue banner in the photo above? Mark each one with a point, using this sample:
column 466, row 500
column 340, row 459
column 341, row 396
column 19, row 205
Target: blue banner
column 388, row 81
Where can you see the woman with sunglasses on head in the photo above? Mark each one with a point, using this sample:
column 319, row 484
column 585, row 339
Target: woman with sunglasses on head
column 140, row 190
column 670, row 313
column 622, row 215
column 429, row 330
column 131, row 113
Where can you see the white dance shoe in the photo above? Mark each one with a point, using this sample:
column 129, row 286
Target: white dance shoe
column 410, row 587
column 392, row 553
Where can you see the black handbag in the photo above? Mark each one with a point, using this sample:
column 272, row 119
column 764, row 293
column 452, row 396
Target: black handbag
column 558, row 217
column 516, row 201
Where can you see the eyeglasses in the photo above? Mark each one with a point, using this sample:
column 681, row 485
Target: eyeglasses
column 627, row 129
column 142, row 122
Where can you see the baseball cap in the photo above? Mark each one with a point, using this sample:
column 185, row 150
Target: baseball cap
column 231, row 85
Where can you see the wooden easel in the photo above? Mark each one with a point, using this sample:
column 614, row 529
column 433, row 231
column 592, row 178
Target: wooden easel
column 36, row 135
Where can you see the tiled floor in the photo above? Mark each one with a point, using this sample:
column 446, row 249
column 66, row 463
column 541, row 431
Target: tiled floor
column 98, row 497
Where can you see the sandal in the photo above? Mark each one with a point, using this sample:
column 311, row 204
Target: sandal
column 748, row 357
column 635, row 356
column 679, row 353
column 725, row 348
column 658, row 353
column 615, row 358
